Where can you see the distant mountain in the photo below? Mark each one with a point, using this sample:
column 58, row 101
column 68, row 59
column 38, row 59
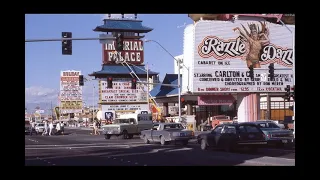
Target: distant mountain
column 31, row 107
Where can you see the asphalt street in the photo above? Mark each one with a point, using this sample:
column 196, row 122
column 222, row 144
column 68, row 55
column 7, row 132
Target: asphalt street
column 79, row 148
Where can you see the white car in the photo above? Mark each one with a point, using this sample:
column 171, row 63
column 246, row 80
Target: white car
column 39, row 127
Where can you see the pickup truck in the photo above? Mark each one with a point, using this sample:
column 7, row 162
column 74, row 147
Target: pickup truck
column 166, row 133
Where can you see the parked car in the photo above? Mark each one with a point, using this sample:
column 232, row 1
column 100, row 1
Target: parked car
column 274, row 134
column 233, row 136
column 166, row 133
column 39, row 128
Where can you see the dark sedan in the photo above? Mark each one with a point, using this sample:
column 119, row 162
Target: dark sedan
column 233, row 136
column 274, row 134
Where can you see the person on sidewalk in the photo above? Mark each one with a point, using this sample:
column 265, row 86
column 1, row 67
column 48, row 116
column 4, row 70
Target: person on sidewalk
column 58, row 128
column 45, row 131
column 32, row 127
column 62, row 128
column 96, row 129
column 50, row 128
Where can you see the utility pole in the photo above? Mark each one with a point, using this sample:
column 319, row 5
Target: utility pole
column 179, row 75
column 93, row 103
column 148, row 86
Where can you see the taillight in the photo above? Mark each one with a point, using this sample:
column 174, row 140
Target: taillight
column 192, row 133
column 266, row 136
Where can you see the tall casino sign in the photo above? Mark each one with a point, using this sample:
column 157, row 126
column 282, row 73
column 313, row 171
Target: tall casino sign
column 132, row 52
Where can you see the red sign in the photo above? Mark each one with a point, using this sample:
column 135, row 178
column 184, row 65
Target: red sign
column 132, row 52
column 214, row 100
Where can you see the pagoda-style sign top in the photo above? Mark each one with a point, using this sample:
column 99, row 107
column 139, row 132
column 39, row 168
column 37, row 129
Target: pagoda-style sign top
column 122, row 25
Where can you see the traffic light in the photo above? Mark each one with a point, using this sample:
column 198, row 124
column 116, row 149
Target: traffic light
column 81, row 82
column 251, row 73
column 133, row 83
column 67, row 44
column 119, row 42
column 271, row 71
column 287, row 94
column 109, row 82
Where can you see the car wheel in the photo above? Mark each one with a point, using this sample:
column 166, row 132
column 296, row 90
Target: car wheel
column 185, row 143
column 227, row 147
column 124, row 134
column 145, row 139
column 203, row 144
column 162, row 141
column 130, row 136
column 107, row 136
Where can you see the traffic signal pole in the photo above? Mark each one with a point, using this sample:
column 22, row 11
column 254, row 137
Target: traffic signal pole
column 66, row 39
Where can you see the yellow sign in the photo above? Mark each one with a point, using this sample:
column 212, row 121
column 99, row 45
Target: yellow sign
column 71, row 104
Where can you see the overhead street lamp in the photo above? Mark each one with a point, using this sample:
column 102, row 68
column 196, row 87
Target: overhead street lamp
column 179, row 78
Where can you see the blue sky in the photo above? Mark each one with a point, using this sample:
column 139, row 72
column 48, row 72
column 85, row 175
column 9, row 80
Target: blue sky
column 44, row 60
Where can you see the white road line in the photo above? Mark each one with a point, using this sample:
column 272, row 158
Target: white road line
column 68, row 145
column 73, row 155
column 136, row 163
column 73, row 147
column 181, row 149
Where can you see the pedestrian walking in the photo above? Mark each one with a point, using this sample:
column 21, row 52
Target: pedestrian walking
column 50, row 128
column 58, row 128
column 45, row 131
column 32, row 127
column 95, row 126
column 62, row 128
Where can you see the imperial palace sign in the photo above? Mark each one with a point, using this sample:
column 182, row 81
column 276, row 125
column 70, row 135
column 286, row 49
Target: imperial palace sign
column 132, row 52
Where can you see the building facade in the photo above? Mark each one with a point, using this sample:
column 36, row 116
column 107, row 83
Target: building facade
column 217, row 55
column 121, row 69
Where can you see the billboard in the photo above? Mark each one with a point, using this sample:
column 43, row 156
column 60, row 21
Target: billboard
column 122, row 92
column 70, row 92
column 132, row 52
column 125, row 107
column 225, row 50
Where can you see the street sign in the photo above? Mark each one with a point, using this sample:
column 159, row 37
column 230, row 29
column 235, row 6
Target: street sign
column 40, row 111
column 105, row 41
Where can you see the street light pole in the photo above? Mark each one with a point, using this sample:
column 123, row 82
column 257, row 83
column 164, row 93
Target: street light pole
column 293, row 71
column 179, row 80
column 93, row 103
column 148, row 87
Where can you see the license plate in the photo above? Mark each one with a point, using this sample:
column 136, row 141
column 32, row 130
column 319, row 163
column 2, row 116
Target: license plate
column 284, row 141
column 251, row 136
column 109, row 132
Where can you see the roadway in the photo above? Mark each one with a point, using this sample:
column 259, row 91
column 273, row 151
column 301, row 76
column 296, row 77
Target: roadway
column 79, row 148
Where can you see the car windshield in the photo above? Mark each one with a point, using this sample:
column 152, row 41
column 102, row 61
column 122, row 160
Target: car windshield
column 268, row 125
column 40, row 124
column 173, row 126
column 124, row 120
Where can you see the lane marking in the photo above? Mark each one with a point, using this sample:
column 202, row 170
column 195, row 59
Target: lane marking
column 68, row 145
column 136, row 163
column 83, row 147
column 74, row 155
column 181, row 149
